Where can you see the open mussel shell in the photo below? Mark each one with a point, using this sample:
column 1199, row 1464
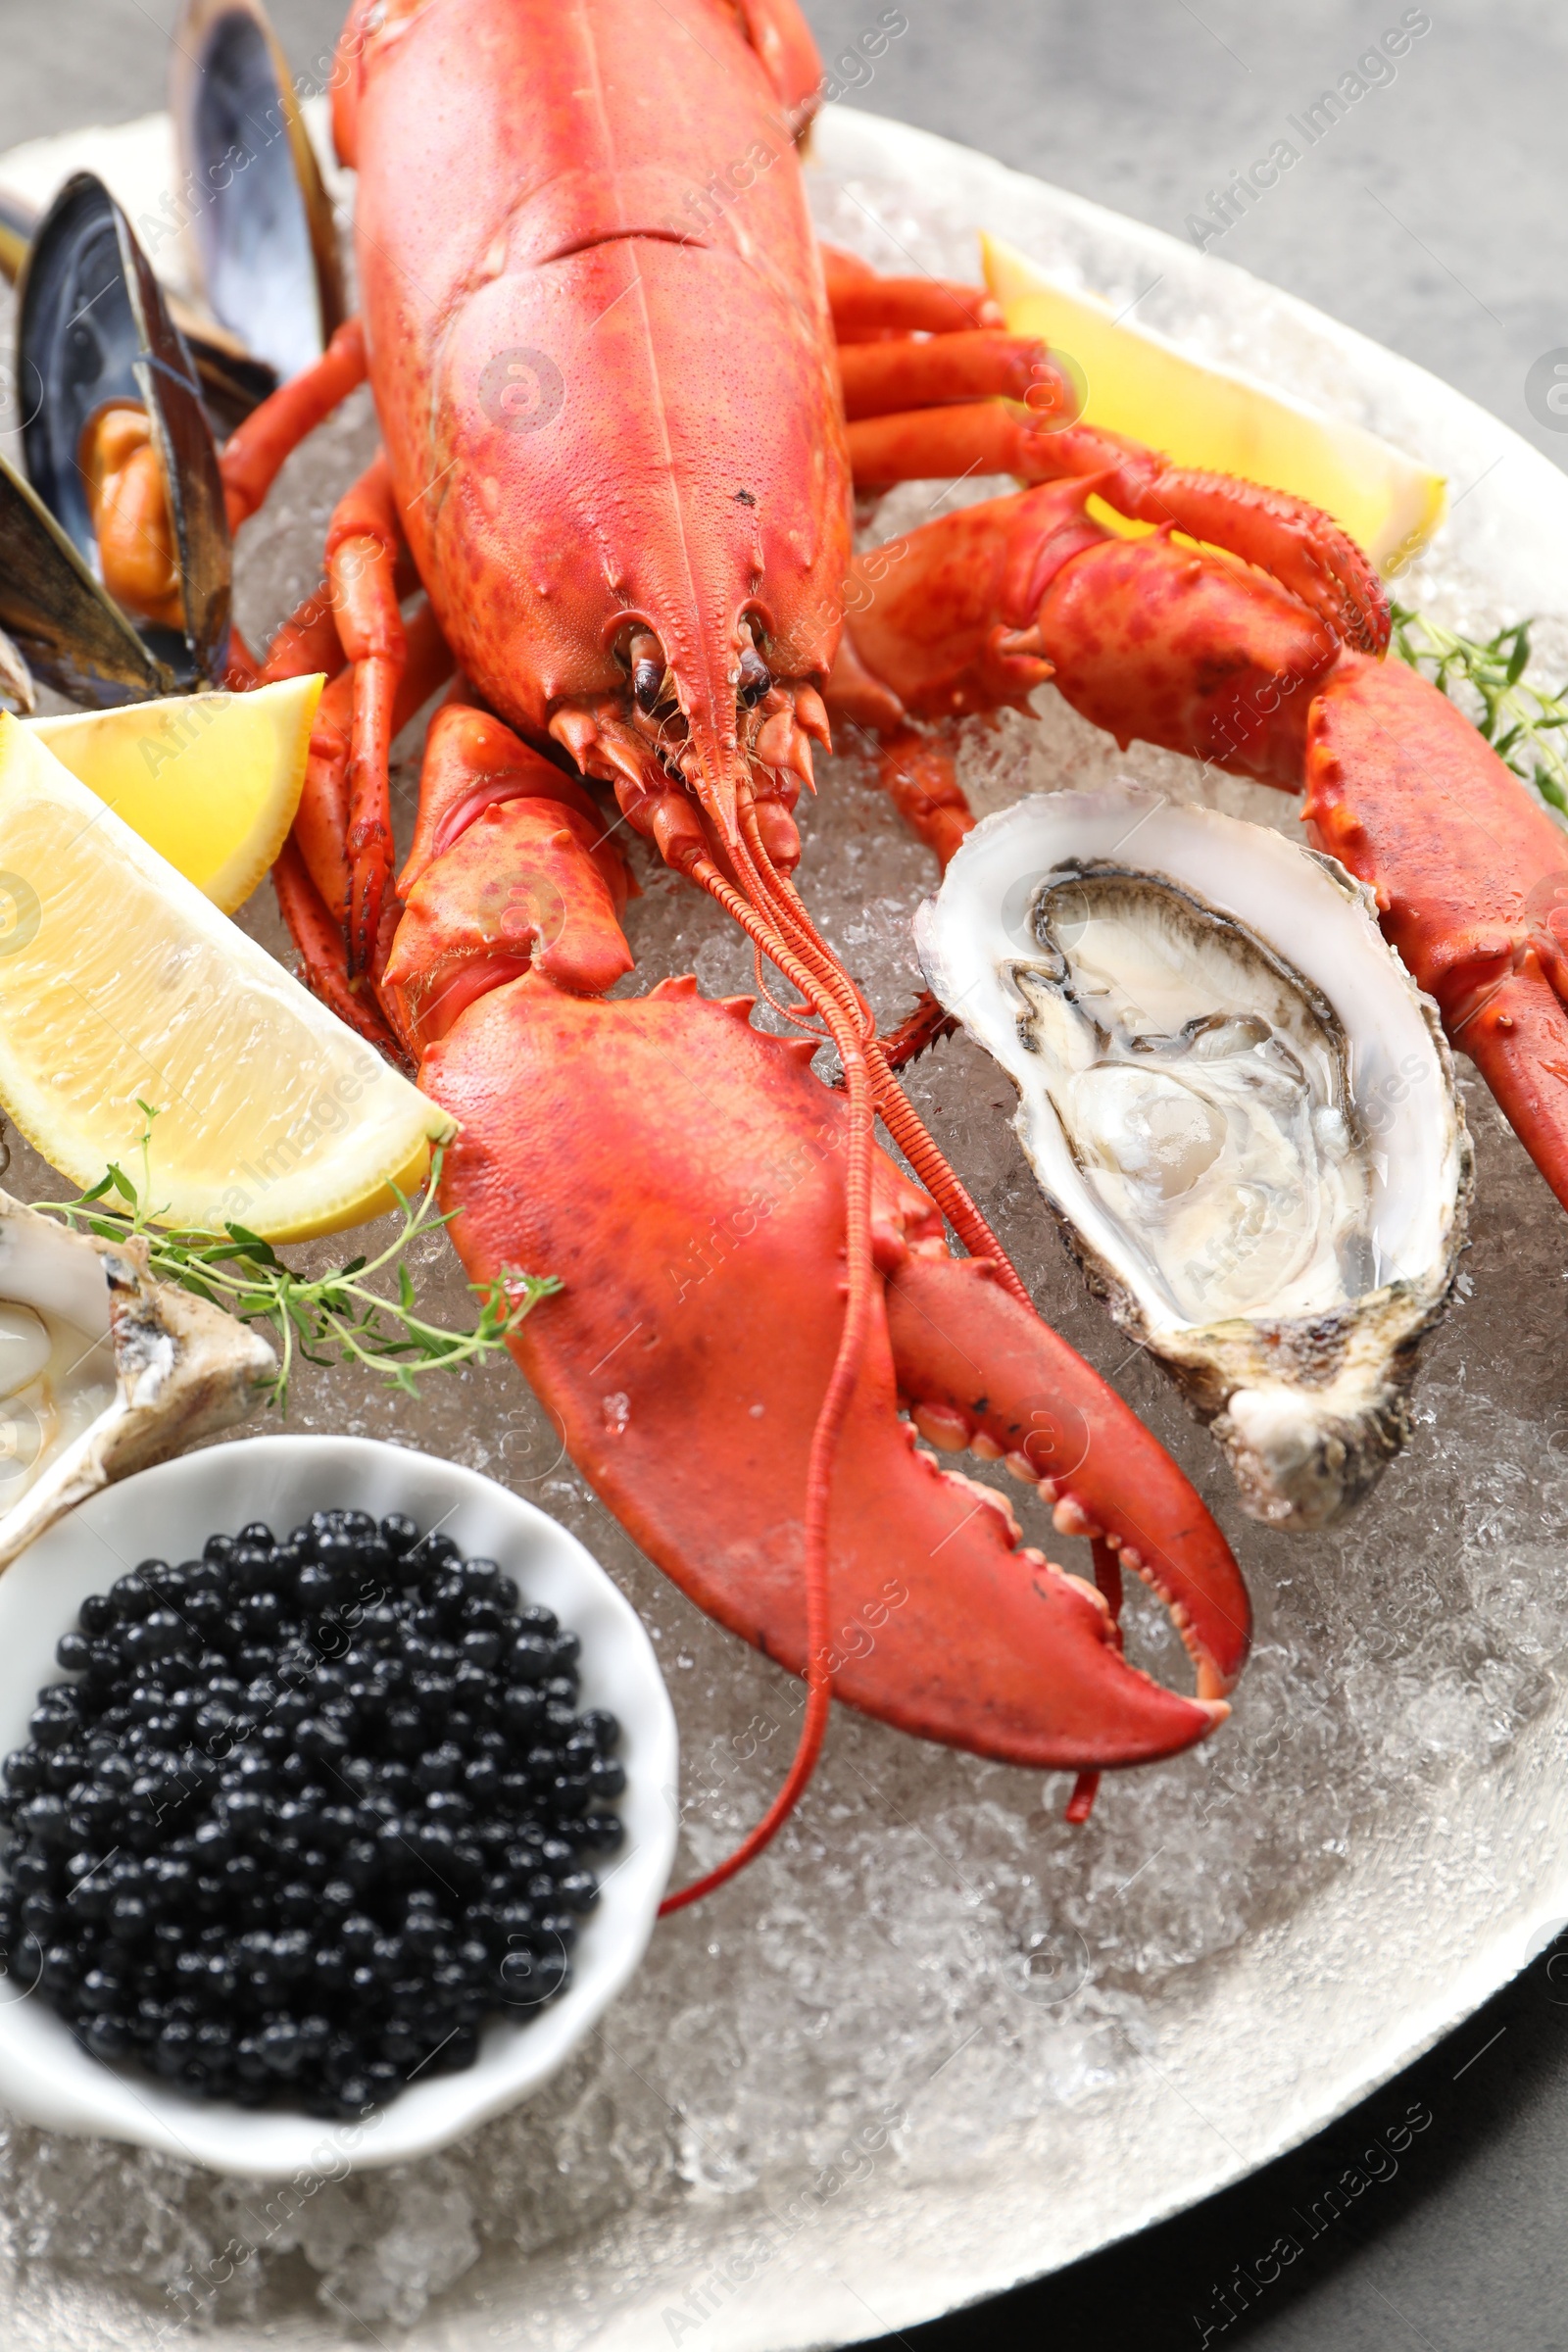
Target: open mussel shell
column 234, row 381
column 263, row 236
column 54, row 610
column 94, row 329
column 1239, row 1105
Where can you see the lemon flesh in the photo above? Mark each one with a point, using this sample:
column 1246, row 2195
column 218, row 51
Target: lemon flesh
column 212, row 781
column 1134, row 382
column 120, row 982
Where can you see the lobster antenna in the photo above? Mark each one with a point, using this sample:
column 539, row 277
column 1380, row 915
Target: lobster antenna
column 803, row 1017
column 929, row 1162
column 898, row 1113
column 845, row 1034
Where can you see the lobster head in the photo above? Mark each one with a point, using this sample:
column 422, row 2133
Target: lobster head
column 607, row 386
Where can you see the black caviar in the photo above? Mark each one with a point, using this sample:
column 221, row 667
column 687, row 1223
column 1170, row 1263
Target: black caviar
column 311, row 1808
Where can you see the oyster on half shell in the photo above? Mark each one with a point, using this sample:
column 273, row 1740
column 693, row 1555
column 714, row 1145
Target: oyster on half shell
column 1239, row 1105
column 102, row 1370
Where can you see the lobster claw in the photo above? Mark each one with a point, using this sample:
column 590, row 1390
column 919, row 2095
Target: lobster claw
column 263, row 236
column 95, row 340
column 687, row 1353
column 976, row 1368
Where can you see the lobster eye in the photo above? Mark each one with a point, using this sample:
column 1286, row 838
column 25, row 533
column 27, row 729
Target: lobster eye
column 646, row 656
column 756, row 677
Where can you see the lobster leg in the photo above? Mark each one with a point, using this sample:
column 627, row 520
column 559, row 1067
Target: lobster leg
column 473, row 763
column 347, row 788
column 312, row 876
column 320, row 826
column 941, row 444
column 867, row 307
column 254, row 455
column 917, row 773
column 307, row 641
column 362, row 552
column 960, row 403
column 930, row 382
column 879, row 378
column 321, row 822
column 319, row 941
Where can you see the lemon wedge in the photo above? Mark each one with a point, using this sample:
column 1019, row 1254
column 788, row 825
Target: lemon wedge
column 212, row 781
column 1134, row 382
column 120, row 983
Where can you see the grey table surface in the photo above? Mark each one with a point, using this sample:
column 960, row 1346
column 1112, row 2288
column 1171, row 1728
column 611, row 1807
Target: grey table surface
column 1431, row 218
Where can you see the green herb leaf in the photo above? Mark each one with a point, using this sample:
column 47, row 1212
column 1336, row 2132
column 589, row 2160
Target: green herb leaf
column 1520, row 720
column 329, row 1319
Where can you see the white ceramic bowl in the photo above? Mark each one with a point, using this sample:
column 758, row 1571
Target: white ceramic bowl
column 167, row 1513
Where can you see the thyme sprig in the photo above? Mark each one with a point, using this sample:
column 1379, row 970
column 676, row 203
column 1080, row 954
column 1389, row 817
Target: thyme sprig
column 327, row 1319
column 1523, row 722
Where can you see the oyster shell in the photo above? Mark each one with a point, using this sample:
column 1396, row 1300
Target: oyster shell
column 102, row 1370
column 1239, row 1105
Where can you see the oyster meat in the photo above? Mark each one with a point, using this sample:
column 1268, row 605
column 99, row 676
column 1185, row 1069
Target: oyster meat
column 1239, row 1105
column 102, row 1370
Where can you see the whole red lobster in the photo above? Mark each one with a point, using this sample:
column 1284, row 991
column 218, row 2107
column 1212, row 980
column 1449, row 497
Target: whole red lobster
column 622, row 402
